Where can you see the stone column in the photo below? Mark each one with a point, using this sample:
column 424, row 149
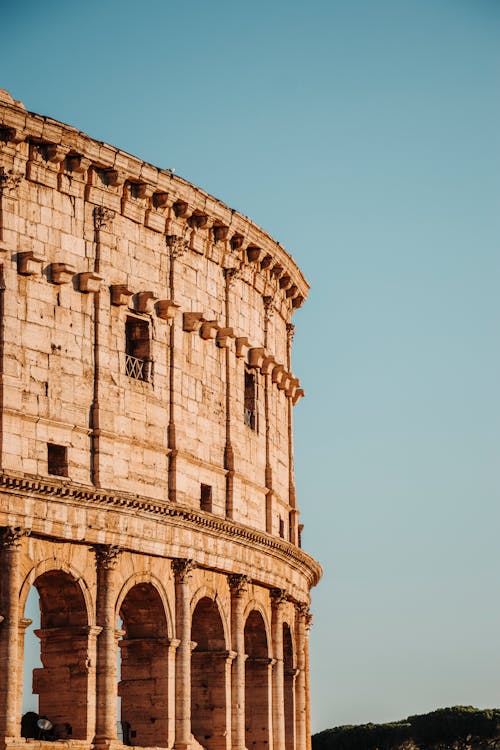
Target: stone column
column 10, row 546
column 308, row 624
column 278, row 598
column 300, row 682
column 238, row 586
column 106, row 678
column 182, row 571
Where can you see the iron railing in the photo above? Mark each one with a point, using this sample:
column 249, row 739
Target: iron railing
column 139, row 369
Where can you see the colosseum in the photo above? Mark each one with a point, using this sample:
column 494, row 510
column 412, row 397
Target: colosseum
column 146, row 457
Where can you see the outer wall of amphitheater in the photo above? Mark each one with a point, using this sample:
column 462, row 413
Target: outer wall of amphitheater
column 146, row 456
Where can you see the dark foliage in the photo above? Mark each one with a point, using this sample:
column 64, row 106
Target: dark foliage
column 445, row 726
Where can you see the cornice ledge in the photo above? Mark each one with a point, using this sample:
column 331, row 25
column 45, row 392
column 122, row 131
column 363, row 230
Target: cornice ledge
column 199, row 519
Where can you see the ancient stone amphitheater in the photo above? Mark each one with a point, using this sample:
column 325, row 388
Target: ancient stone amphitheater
column 146, row 456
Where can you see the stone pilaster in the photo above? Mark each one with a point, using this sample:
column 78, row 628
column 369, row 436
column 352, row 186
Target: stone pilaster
column 300, row 682
column 106, row 678
column 182, row 571
column 238, row 585
column 308, row 624
column 10, row 549
column 278, row 599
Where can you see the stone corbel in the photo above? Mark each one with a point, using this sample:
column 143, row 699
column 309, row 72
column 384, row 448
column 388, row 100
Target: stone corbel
column 242, row 346
column 276, row 271
column 135, row 195
column 285, row 282
column 120, row 294
column 284, row 383
column 299, row 393
column 54, row 154
column 277, row 374
column 61, row 273
column 224, row 336
column 113, row 178
column 181, row 209
column 291, row 291
column 256, row 357
column 156, row 215
column 141, row 190
column 166, row 309
column 209, row 329
column 292, row 387
column 77, row 163
column 198, row 220
column 192, row 321
column 12, row 135
column 145, row 301
column 220, row 233
column 253, row 253
column 297, row 301
column 160, row 200
column 267, row 364
column 29, row 264
column 89, row 282
column 266, row 262
column 236, row 242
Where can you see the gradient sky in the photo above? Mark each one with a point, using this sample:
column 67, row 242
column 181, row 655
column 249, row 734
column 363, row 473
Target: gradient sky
column 365, row 136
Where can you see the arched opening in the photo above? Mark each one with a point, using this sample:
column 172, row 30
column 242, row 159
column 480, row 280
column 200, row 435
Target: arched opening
column 62, row 682
column 257, row 703
column 289, row 678
column 143, row 686
column 209, row 677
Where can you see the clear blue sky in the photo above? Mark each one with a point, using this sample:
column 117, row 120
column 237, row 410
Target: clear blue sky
column 364, row 136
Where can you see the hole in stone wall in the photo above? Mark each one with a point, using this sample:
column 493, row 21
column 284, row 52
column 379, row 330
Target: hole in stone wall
column 282, row 528
column 206, row 497
column 57, row 459
column 250, row 406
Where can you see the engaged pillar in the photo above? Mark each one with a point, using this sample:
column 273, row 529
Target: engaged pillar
column 238, row 586
column 106, row 679
column 182, row 571
column 10, row 547
column 300, row 682
column 278, row 599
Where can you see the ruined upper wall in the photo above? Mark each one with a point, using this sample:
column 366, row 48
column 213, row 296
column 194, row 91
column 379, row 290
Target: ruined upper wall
column 162, row 201
column 198, row 409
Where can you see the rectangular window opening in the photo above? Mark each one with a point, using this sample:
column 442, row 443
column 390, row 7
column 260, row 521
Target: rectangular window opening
column 57, row 460
column 282, row 528
column 250, row 407
column 206, row 498
column 137, row 351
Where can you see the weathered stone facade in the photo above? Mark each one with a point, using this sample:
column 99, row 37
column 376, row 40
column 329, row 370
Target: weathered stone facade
column 146, row 456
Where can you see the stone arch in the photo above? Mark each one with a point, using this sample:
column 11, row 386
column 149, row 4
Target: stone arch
column 289, row 686
column 255, row 606
column 145, row 664
column 67, row 647
column 210, row 674
column 209, row 593
column 54, row 563
column 257, row 682
column 140, row 578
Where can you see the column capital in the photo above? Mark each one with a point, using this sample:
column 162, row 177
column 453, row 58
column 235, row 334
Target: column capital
column 102, row 217
column 177, row 245
column 309, row 620
column 9, row 180
column 290, row 331
column 238, row 584
column 107, row 555
column 11, row 536
column 182, row 568
column 302, row 609
column 278, row 597
column 268, row 307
